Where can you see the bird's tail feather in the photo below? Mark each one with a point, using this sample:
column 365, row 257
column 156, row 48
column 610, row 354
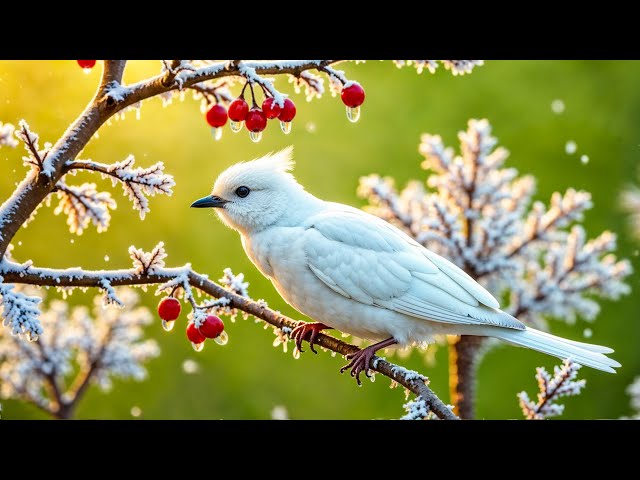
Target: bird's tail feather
column 582, row 353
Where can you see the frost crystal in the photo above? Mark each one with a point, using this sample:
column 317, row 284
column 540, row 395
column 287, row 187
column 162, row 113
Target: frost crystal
column 83, row 205
column 562, row 384
column 20, row 312
column 6, row 135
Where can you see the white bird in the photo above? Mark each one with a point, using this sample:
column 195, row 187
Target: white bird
column 354, row 272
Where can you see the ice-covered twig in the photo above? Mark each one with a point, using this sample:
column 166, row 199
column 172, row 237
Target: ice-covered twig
column 137, row 182
column 83, row 205
column 562, row 384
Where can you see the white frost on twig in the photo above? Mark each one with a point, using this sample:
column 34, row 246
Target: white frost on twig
column 147, row 262
column 457, row 67
column 83, row 205
column 20, row 312
column 562, row 384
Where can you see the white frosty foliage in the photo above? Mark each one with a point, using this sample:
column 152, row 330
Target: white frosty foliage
column 147, row 262
column 6, row 135
column 480, row 215
column 235, row 283
column 84, row 205
column 562, row 384
column 457, row 67
column 313, row 84
column 416, row 410
column 77, row 346
column 137, row 182
column 20, row 312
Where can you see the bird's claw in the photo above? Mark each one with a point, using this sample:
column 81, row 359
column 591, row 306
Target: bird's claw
column 360, row 362
column 304, row 330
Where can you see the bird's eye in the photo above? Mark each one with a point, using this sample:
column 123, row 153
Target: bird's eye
column 242, row 191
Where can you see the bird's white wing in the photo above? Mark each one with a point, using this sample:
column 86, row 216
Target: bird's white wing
column 369, row 260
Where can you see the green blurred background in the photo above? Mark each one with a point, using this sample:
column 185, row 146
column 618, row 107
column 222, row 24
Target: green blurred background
column 247, row 378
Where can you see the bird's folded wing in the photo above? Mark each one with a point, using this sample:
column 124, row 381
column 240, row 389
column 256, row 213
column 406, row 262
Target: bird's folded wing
column 369, row 260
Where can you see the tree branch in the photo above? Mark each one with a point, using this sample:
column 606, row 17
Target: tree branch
column 112, row 73
column 76, row 277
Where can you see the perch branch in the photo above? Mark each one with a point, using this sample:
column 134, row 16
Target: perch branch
column 76, row 277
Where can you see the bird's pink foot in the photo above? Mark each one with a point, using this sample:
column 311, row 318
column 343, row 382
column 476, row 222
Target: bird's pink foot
column 361, row 360
column 307, row 331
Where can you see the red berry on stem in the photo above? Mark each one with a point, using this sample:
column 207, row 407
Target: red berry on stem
column 353, row 95
column 288, row 111
column 194, row 335
column 238, row 110
column 169, row 308
column 86, row 63
column 211, row 327
column 256, row 120
column 216, row 115
column 270, row 108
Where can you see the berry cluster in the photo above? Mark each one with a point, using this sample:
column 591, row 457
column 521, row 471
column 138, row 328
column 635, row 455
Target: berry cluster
column 255, row 118
column 211, row 327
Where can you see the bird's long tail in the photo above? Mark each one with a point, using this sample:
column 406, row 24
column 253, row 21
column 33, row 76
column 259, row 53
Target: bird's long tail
column 583, row 353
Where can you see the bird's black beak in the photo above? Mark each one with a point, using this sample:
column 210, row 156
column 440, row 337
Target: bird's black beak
column 211, row 201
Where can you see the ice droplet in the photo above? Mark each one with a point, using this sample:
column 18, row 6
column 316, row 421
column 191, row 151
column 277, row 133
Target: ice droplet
column 296, row 353
column 136, row 411
column 587, row 333
column 286, row 127
column 235, row 126
column 570, row 147
column 217, row 133
column 372, row 377
column 106, row 258
column 168, row 325
column 255, row 136
column 197, row 346
column 353, row 114
column 86, row 71
column 222, row 339
column 584, row 159
column 137, row 113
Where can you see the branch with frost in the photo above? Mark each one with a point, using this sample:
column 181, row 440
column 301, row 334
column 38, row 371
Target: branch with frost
column 149, row 269
column 78, row 349
column 137, row 183
column 480, row 214
column 6, row 135
column 35, row 157
column 562, row 384
column 84, row 205
column 20, row 312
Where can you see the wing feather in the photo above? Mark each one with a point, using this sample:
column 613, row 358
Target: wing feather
column 361, row 257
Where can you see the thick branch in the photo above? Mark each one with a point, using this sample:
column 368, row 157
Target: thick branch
column 76, row 277
column 112, row 73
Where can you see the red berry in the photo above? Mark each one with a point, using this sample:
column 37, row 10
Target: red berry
column 86, row 63
column 256, row 120
column 211, row 327
column 353, row 95
column 288, row 111
column 270, row 108
column 169, row 308
column 216, row 115
column 194, row 335
column 238, row 110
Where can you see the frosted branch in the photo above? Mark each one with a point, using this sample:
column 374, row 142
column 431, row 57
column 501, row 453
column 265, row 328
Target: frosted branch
column 562, row 384
column 137, row 183
column 149, row 269
column 84, row 205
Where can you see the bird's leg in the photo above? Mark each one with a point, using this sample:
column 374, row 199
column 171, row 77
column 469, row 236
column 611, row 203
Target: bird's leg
column 304, row 330
column 361, row 360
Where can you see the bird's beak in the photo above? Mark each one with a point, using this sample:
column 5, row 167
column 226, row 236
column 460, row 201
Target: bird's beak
column 211, row 201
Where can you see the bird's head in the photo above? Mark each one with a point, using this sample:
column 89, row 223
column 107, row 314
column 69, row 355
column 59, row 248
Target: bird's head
column 250, row 196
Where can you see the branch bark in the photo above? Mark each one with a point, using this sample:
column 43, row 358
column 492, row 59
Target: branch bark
column 76, row 277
